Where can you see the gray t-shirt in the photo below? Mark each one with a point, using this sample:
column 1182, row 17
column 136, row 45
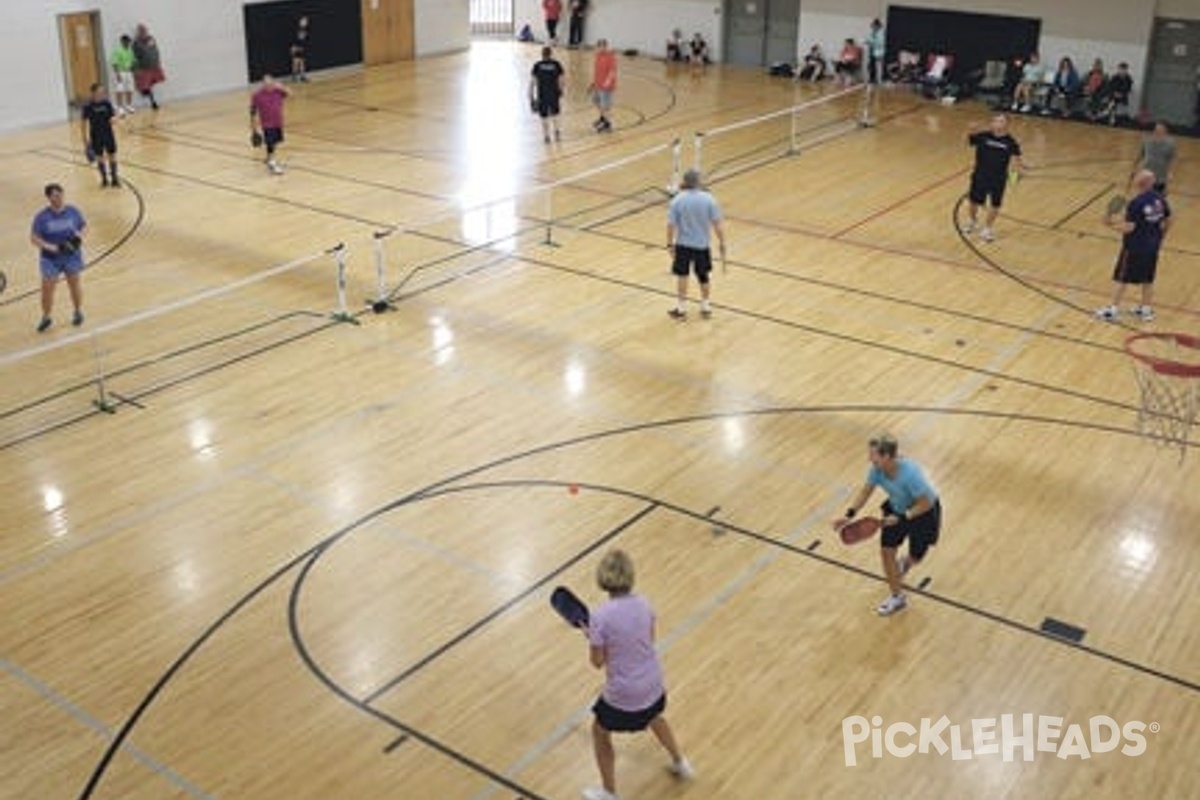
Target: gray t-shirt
column 692, row 213
column 1157, row 155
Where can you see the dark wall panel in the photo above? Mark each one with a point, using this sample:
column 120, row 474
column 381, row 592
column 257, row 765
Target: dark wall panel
column 973, row 39
column 335, row 34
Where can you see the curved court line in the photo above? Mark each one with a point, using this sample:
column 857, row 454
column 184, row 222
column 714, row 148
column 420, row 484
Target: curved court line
column 1021, row 281
column 156, row 689
column 129, row 233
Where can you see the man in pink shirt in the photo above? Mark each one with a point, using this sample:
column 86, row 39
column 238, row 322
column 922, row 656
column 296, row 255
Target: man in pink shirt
column 604, row 83
column 621, row 635
column 553, row 11
column 266, row 119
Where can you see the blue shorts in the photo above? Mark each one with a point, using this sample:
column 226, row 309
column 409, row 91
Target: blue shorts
column 603, row 98
column 52, row 268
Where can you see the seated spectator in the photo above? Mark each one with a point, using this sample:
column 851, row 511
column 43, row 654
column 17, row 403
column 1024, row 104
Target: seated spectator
column 1065, row 89
column 526, row 34
column 1094, row 86
column 675, row 46
column 849, row 63
column 1116, row 101
column 1031, row 79
column 814, row 66
column 937, row 74
column 906, row 68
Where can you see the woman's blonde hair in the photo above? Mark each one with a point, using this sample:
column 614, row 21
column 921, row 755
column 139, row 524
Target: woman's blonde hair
column 614, row 574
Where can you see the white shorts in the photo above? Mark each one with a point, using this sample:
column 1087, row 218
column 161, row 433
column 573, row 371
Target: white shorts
column 123, row 82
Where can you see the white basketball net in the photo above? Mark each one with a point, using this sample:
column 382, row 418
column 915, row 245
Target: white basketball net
column 1169, row 401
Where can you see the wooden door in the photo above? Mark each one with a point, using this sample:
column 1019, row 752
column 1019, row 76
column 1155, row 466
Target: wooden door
column 388, row 31
column 81, row 53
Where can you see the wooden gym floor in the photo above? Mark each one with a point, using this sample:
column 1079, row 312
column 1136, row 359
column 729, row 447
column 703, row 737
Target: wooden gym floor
column 310, row 559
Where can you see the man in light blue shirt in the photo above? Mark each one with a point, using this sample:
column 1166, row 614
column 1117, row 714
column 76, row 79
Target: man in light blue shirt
column 876, row 50
column 912, row 511
column 690, row 215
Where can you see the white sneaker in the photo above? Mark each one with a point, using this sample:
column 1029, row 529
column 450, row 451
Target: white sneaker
column 274, row 167
column 1025, row 109
column 894, row 603
column 985, row 234
column 1144, row 313
column 1108, row 313
column 682, row 769
column 598, row 793
column 969, row 227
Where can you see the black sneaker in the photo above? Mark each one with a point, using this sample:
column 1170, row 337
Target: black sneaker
column 77, row 318
column 677, row 313
column 115, row 182
column 44, row 324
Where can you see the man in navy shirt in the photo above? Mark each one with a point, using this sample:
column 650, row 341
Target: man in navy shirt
column 545, row 92
column 57, row 232
column 1147, row 218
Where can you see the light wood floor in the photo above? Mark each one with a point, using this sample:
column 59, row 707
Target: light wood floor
column 310, row 559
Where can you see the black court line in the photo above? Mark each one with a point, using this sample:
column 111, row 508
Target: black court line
column 500, row 610
column 116, row 742
column 130, row 232
column 374, row 224
column 129, row 401
column 392, row 745
column 1024, row 282
column 712, row 512
column 1082, row 207
column 1058, row 632
column 812, row 547
column 202, row 143
column 850, row 339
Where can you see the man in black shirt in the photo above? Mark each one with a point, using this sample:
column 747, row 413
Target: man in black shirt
column 578, row 12
column 545, row 92
column 995, row 149
column 1120, row 87
column 99, row 142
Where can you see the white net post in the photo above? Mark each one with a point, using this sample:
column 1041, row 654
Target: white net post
column 101, row 402
column 698, row 152
column 549, row 240
column 381, row 303
column 676, row 166
column 866, row 113
column 342, row 314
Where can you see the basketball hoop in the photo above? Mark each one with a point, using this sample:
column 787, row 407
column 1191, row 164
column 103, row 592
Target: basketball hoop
column 1167, row 366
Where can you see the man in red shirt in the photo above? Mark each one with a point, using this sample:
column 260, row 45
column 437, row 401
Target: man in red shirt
column 553, row 10
column 266, row 119
column 604, row 83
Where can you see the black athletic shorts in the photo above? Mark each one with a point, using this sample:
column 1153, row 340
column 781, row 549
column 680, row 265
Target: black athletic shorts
column 614, row 719
column 547, row 107
column 985, row 186
column 104, row 143
column 689, row 258
column 272, row 136
column 922, row 532
column 1135, row 267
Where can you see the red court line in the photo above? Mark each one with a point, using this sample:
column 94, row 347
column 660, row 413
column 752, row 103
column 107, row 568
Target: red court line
column 908, row 198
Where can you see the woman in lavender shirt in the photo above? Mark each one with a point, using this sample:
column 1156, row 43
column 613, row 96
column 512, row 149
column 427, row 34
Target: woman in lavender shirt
column 621, row 635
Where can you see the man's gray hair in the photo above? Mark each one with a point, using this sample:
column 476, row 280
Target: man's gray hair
column 691, row 179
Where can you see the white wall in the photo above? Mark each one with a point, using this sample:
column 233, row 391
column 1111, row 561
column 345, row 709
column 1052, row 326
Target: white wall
column 442, row 26
column 202, row 44
column 1178, row 9
column 639, row 24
